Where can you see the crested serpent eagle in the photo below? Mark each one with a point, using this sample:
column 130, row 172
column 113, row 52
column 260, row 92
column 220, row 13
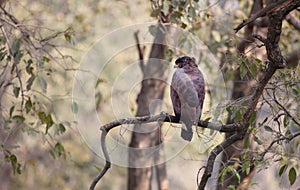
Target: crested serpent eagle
column 187, row 94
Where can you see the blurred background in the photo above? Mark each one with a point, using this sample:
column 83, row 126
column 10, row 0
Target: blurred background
column 42, row 45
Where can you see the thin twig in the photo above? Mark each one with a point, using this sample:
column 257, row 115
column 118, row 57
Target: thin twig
column 141, row 50
column 288, row 138
column 285, row 110
column 260, row 38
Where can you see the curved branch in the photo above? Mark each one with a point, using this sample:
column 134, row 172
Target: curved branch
column 263, row 12
column 162, row 117
column 276, row 13
column 212, row 157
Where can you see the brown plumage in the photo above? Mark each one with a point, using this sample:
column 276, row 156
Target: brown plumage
column 187, row 94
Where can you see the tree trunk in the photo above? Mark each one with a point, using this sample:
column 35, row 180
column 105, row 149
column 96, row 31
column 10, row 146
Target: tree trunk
column 141, row 161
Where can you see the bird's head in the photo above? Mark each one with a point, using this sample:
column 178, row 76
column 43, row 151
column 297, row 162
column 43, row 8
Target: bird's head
column 185, row 61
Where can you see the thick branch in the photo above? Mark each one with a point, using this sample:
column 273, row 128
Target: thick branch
column 212, row 157
column 162, row 117
column 165, row 117
column 263, row 12
column 276, row 13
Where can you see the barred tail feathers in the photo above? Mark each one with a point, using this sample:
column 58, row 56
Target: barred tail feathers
column 187, row 131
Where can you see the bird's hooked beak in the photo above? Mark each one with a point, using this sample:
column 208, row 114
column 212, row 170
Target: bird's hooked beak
column 179, row 61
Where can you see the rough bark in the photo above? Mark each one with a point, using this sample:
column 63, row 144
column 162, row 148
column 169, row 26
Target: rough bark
column 242, row 88
column 152, row 89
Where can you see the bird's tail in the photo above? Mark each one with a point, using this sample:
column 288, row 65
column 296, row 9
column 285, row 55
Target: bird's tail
column 187, row 132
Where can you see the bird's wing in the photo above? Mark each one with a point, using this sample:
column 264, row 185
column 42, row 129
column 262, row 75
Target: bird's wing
column 183, row 85
column 184, row 97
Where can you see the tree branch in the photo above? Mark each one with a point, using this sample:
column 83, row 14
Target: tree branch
column 140, row 49
column 212, row 157
column 162, row 117
column 276, row 13
column 285, row 110
column 263, row 12
column 288, row 138
column 294, row 21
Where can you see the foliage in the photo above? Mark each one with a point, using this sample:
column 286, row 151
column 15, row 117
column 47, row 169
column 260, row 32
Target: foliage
column 27, row 70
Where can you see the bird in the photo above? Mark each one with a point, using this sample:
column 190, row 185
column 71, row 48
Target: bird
column 187, row 91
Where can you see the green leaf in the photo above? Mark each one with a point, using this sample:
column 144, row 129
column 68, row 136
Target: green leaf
column 243, row 70
column 74, row 107
column 175, row 17
column 253, row 69
column 18, row 56
column 18, row 118
column 264, row 121
column 247, row 142
column 282, row 169
column 15, row 46
column 257, row 140
column 14, row 162
column 285, row 121
column 228, row 108
column 59, row 149
column 98, row 168
column 67, row 37
column 61, row 128
column 292, row 175
column 237, row 175
column 227, row 170
column 29, row 68
column 11, row 110
column 28, row 105
column 42, row 116
column 253, row 117
column 257, row 60
column 192, row 11
column 43, row 84
column 49, row 123
column 246, row 167
column 30, row 82
column 46, row 59
column 98, row 99
column 16, row 91
column 267, row 128
column 46, row 119
column 295, row 91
